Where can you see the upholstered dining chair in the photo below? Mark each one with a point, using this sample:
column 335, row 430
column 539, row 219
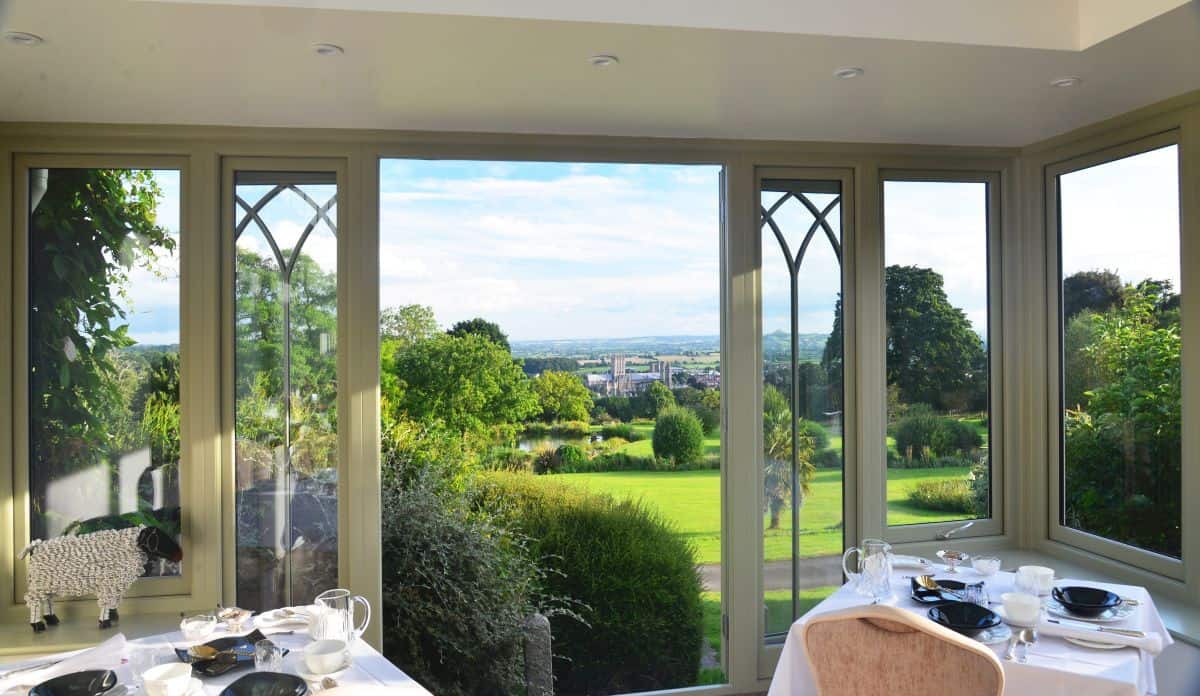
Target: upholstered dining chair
column 883, row 651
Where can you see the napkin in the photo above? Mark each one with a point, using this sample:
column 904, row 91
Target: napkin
column 107, row 655
column 299, row 616
column 902, row 561
column 1151, row 643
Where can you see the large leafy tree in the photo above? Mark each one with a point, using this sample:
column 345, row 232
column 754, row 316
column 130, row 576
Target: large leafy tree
column 89, row 231
column 1090, row 290
column 562, row 396
column 933, row 354
column 469, row 383
column 481, row 327
column 407, row 324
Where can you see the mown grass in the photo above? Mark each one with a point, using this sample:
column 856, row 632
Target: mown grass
column 691, row 500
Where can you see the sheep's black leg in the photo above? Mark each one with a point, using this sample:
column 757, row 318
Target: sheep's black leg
column 48, row 612
column 112, row 614
column 38, row 626
column 105, row 622
column 34, row 602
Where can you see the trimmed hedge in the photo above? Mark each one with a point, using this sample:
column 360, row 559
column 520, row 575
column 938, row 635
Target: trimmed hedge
column 635, row 575
column 944, row 496
column 678, row 436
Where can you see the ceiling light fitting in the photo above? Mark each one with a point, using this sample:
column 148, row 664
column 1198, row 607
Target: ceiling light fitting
column 327, row 49
column 848, row 73
column 604, row 60
column 22, row 38
column 1066, row 82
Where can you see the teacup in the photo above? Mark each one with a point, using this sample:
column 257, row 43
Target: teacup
column 1021, row 609
column 325, row 656
column 1035, row 579
column 173, row 679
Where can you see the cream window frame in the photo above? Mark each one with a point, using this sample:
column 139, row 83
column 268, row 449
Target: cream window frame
column 1141, row 558
column 194, row 586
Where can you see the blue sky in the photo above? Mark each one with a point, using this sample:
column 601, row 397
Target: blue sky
column 559, row 250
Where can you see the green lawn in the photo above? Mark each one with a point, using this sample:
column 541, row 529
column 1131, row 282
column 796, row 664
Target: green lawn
column 645, row 448
column 691, row 501
column 779, row 610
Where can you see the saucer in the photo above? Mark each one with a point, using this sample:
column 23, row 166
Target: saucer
column 1121, row 611
column 195, row 688
column 992, row 636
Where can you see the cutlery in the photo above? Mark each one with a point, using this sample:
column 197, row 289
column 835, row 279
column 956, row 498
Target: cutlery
column 1027, row 636
column 30, row 668
column 207, row 652
column 927, row 582
column 1099, row 629
column 328, row 683
column 1011, row 650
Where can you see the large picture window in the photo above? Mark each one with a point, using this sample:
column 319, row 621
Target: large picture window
column 1119, row 266
column 104, row 409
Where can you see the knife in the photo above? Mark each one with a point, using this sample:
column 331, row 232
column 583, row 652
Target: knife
column 1099, row 629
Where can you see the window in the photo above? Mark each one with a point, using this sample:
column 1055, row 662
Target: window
column 802, row 412
column 936, row 289
column 103, row 347
column 553, row 330
column 1119, row 322
column 285, row 386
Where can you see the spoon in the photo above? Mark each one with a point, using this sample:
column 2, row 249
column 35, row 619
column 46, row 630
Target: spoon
column 1011, row 651
column 208, row 652
column 927, row 582
column 1027, row 636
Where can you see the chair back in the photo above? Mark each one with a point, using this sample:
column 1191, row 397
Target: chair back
column 883, row 651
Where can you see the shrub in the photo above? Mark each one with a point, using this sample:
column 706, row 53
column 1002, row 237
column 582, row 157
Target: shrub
column 621, row 430
column 678, row 436
column 545, row 459
column 952, row 436
column 630, row 568
column 981, row 489
column 412, row 452
column 914, row 433
column 569, row 457
column 831, row 459
column 456, row 588
column 944, row 496
column 710, row 418
column 507, row 459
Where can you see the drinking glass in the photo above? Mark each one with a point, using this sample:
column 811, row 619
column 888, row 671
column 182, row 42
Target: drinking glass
column 142, row 658
column 975, row 594
column 268, row 657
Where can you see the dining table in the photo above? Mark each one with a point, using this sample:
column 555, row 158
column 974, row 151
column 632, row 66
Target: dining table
column 1053, row 666
column 367, row 667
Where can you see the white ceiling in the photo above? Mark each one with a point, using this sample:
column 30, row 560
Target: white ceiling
column 215, row 63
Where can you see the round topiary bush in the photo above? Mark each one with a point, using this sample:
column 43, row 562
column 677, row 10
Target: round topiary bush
column 678, row 436
column 570, row 458
column 952, row 437
column 633, row 575
column 815, row 432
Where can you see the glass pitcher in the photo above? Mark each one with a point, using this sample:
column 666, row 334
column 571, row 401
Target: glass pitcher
column 874, row 575
column 333, row 616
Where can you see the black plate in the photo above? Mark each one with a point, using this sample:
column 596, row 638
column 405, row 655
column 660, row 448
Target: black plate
column 91, row 683
column 244, row 645
column 267, row 684
column 964, row 617
column 1086, row 601
column 931, row 597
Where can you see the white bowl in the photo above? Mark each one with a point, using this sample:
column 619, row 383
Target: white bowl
column 325, row 656
column 172, row 679
column 985, row 565
column 1021, row 609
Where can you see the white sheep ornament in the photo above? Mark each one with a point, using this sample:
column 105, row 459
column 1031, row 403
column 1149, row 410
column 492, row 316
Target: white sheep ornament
column 103, row 563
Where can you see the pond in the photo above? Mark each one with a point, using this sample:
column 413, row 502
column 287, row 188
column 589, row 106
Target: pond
column 529, row 443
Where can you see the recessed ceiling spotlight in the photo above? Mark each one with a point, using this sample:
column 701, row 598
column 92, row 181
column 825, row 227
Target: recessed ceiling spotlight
column 22, row 38
column 848, row 73
column 327, row 49
column 604, row 60
column 1067, row 82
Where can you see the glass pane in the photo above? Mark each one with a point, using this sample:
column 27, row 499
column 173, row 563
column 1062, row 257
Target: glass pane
column 936, row 289
column 104, row 352
column 551, row 332
column 285, row 388
column 1121, row 346
column 802, row 396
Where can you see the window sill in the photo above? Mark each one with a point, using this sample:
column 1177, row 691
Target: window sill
column 19, row 640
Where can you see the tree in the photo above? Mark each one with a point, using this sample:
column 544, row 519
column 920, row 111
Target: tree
column 1097, row 291
column 562, row 397
column 659, row 398
column 832, row 359
column 481, row 327
column 678, row 436
column 469, row 383
column 933, row 354
column 777, row 453
column 407, row 323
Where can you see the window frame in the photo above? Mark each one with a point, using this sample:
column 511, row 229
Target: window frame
column 196, row 492
column 1158, row 564
column 994, row 524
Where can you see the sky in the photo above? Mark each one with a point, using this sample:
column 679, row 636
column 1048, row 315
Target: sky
column 562, row 250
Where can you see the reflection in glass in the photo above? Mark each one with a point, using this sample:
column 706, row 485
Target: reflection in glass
column 802, row 396
column 104, row 352
column 936, row 289
column 1121, row 347
column 285, row 387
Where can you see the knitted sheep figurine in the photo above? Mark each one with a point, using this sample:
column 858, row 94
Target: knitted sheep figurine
column 103, row 563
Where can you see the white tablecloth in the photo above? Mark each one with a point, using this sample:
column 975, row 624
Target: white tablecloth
column 1055, row 667
column 368, row 667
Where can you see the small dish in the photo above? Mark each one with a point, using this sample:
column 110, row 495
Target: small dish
column 1086, row 601
column 267, row 684
column 965, row 618
column 930, row 597
column 234, row 618
column 986, row 565
column 952, row 559
column 308, row 675
column 94, row 682
column 198, row 627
